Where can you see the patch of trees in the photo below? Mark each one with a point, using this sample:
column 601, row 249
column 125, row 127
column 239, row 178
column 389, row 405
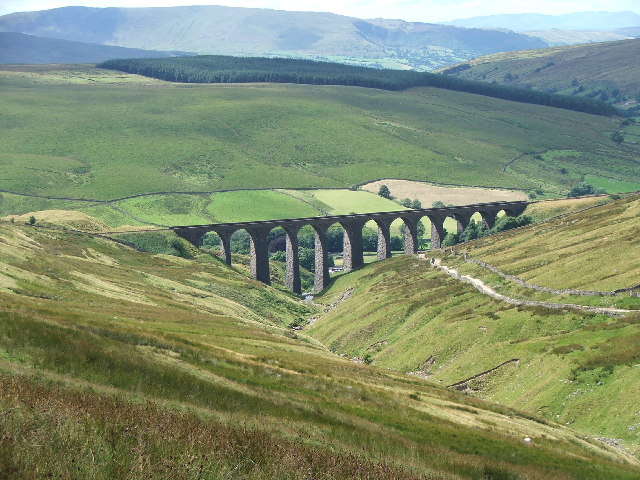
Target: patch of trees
column 227, row 69
column 582, row 189
column 478, row 230
column 384, row 191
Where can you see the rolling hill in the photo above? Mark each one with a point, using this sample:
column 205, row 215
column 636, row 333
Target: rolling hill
column 101, row 135
column 570, row 21
column 122, row 364
column 567, row 29
column 21, row 48
column 247, row 31
column 609, row 71
column 567, row 365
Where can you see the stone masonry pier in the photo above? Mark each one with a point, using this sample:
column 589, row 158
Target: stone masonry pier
column 352, row 225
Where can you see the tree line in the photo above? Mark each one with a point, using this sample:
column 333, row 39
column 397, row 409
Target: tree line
column 227, row 69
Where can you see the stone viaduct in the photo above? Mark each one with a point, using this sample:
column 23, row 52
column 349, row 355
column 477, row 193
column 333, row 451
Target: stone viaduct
column 352, row 225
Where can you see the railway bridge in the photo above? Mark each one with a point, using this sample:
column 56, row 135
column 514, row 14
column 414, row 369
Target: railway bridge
column 352, row 225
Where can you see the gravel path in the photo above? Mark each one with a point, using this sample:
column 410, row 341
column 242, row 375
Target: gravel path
column 487, row 290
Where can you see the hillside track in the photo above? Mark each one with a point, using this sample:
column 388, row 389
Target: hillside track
column 487, row 290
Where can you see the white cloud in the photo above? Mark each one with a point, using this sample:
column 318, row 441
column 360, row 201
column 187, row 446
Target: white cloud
column 411, row 10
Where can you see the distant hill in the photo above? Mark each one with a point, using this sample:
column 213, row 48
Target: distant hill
column 609, row 71
column 567, row 29
column 557, row 37
column 250, row 31
column 571, row 21
column 22, row 48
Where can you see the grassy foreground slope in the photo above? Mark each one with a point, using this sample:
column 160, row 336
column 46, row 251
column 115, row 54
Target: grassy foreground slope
column 577, row 368
column 598, row 249
column 108, row 141
column 124, row 365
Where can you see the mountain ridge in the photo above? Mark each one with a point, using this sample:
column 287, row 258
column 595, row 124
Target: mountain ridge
column 246, row 31
column 16, row 48
column 522, row 22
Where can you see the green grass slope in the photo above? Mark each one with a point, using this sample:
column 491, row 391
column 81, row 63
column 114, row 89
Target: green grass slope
column 598, row 249
column 107, row 141
column 570, row 366
column 119, row 364
column 576, row 69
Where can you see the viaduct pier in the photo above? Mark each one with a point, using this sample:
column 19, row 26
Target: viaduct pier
column 352, row 225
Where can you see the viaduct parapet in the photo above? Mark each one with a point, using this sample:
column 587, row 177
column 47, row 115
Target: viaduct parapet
column 352, row 225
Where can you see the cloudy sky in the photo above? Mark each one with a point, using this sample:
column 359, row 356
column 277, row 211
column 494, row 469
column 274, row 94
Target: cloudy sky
column 411, row 10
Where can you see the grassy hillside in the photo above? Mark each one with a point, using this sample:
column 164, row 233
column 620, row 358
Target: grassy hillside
column 107, row 141
column 121, row 364
column 601, row 70
column 565, row 365
column 593, row 250
column 229, row 69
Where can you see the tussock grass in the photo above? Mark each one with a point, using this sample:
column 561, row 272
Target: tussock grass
column 209, row 381
column 572, row 367
column 214, row 137
column 593, row 250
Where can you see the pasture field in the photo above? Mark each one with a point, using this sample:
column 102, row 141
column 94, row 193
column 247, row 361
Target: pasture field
column 257, row 205
column 120, row 364
column 168, row 209
column 612, row 186
column 427, row 193
column 344, row 202
column 566, row 365
column 574, row 166
column 112, row 140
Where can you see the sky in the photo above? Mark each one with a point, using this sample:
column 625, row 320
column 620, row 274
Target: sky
column 410, row 10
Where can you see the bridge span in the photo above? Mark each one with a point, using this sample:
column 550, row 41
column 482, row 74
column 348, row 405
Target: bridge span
column 352, row 225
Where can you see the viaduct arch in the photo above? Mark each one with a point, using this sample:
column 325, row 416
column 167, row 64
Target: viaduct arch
column 352, row 225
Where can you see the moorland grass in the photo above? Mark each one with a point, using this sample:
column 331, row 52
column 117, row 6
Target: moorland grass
column 192, row 371
column 591, row 250
column 111, row 141
column 446, row 331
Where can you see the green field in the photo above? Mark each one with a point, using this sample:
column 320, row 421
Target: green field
column 120, row 364
column 572, row 367
column 106, row 141
column 612, row 186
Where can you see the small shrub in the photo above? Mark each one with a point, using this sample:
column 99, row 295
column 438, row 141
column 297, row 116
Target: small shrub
column 384, row 191
column 617, row 138
column 32, row 220
column 582, row 189
column 564, row 349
